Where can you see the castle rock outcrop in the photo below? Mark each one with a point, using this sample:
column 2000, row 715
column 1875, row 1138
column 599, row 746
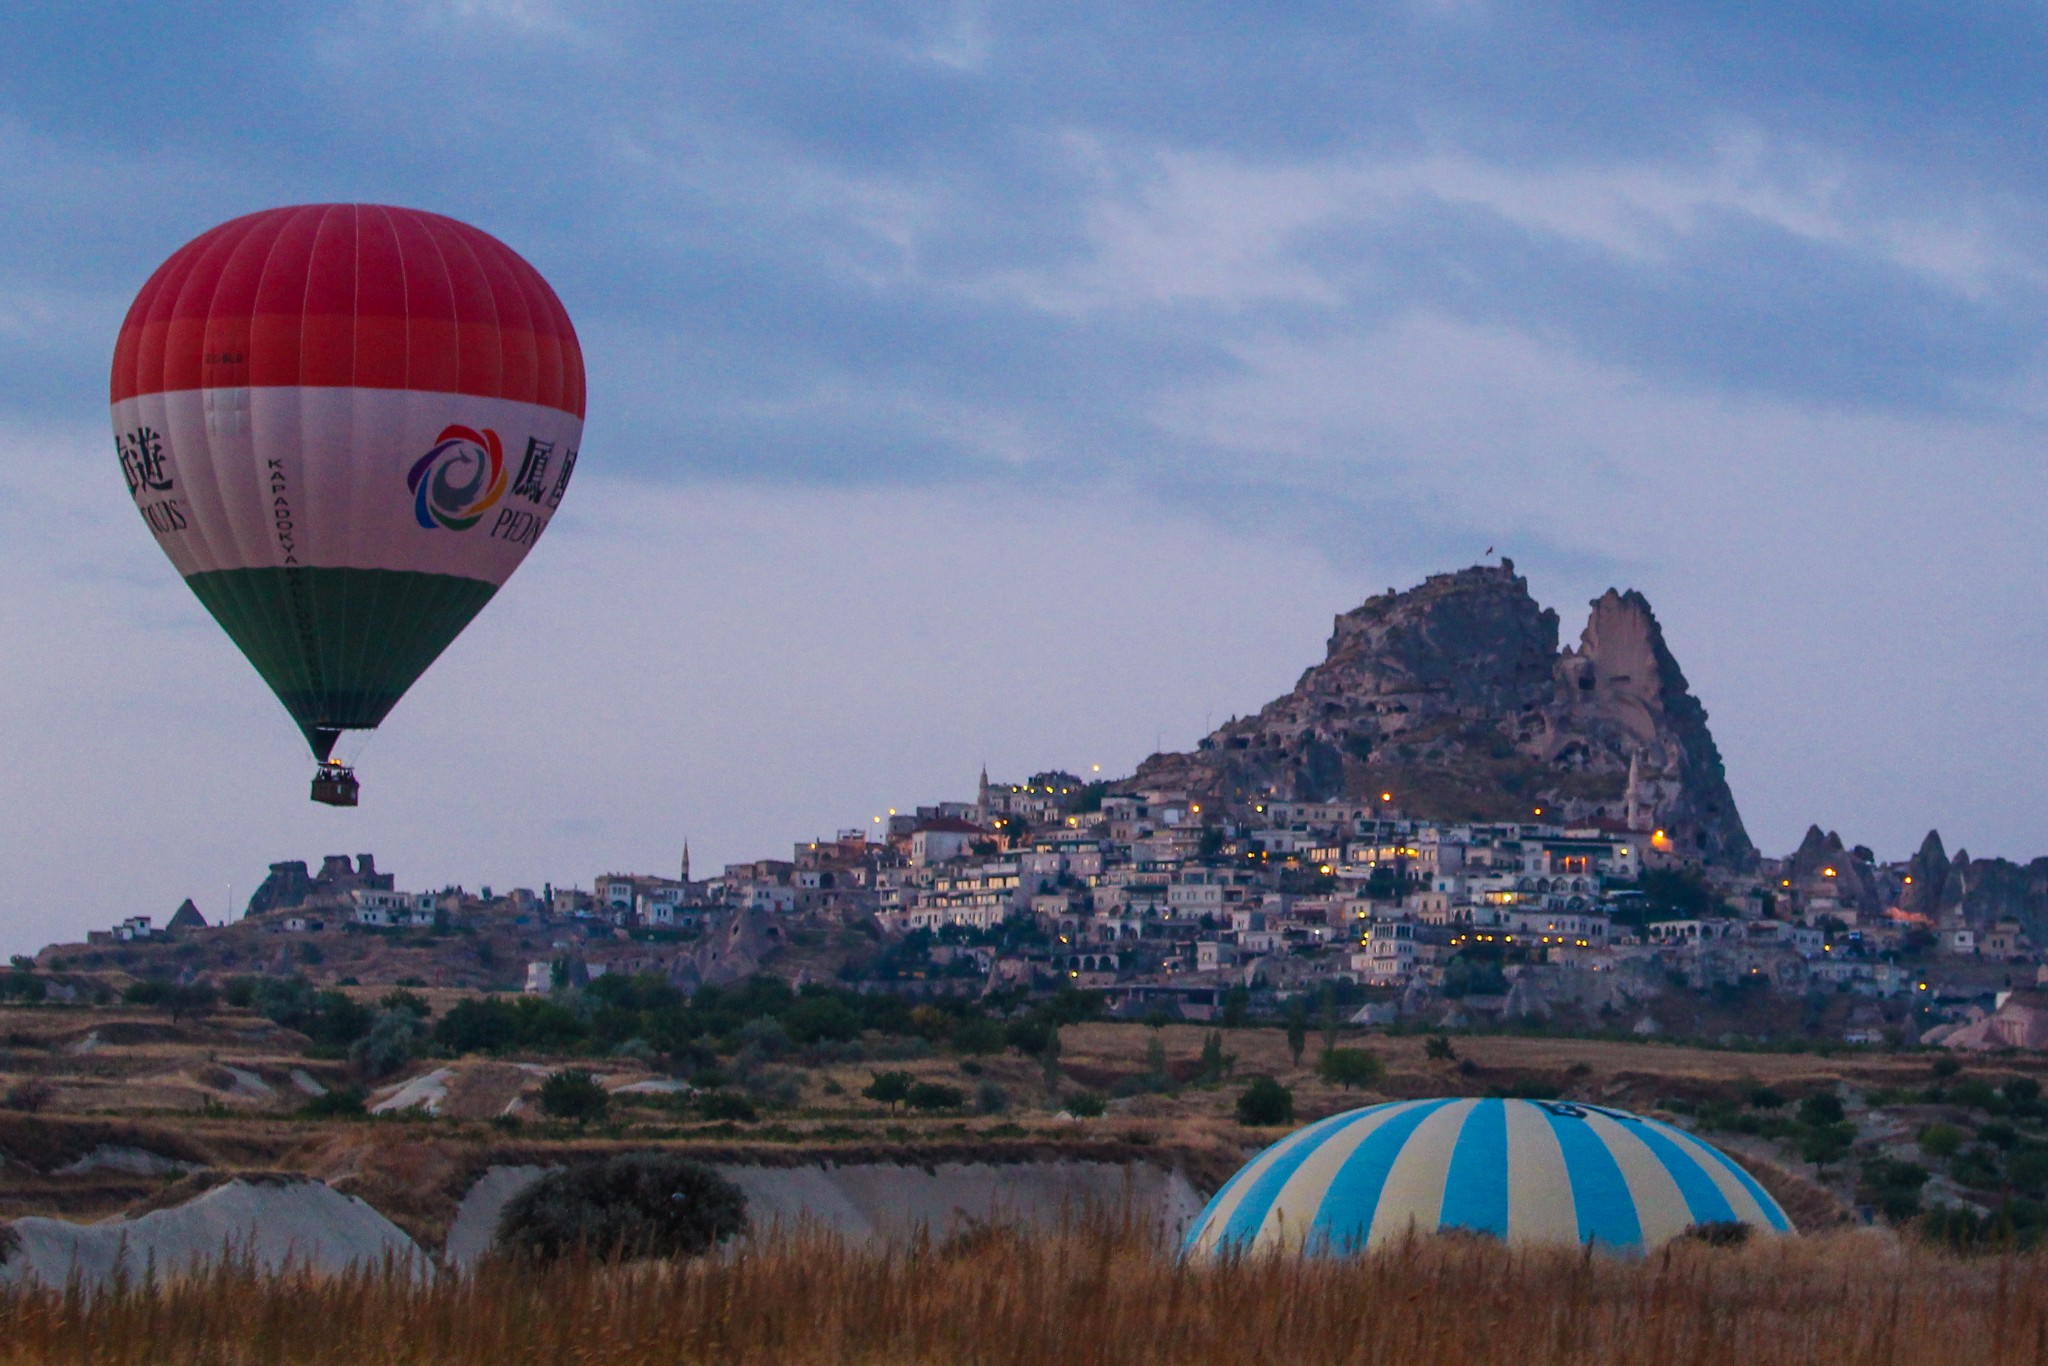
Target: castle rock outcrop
column 1453, row 701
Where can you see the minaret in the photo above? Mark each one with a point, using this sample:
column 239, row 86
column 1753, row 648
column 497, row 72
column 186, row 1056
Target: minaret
column 1633, row 801
column 686, row 863
column 981, row 799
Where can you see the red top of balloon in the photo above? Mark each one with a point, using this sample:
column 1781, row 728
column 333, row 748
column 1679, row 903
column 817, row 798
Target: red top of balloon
column 352, row 296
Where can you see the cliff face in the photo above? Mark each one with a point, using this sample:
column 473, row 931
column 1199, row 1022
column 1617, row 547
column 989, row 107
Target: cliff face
column 1455, row 698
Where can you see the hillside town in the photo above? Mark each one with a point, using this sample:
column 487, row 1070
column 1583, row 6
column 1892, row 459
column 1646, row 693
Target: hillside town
column 1451, row 821
column 1168, row 906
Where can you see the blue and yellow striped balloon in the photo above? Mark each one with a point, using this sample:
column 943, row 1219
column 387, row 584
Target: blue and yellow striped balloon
column 1525, row 1171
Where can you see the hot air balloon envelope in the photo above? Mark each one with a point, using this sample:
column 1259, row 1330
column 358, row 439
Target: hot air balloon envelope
column 346, row 424
column 1527, row 1172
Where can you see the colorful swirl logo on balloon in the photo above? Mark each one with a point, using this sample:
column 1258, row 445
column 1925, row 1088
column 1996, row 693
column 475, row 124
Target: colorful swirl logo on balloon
column 454, row 483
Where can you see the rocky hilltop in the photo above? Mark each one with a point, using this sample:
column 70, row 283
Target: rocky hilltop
column 1455, row 698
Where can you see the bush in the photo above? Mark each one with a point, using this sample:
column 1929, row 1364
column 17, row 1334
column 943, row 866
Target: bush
column 1977, row 1094
column 727, row 1105
column 991, row 1099
column 931, row 1095
column 1765, row 1098
column 1893, row 1187
column 144, row 993
column 1977, row 1167
column 1349, row 1067
column 574, row 1094
column 1085, row 1104
column 1941, row 1141
column 2027, row 1171
column 23, row 985
column 1998, row 1135
column 337, row 1104
column 1265, row 1102
column 637, row 1205
column 2013, row 1227
column 766, row 1037
column 410, row 1002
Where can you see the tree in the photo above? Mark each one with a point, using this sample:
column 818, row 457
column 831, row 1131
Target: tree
column 1237, row 1004
column 574, row 1094
column 196, row 998
column 1349, row 1067
column 1821, row 1108
column 1049, row 1060
column 890, row 1088
column 1826, row 1144
column 1027, row 1034
column 1329, row 1020
column 1212, row 1058
column 389, row 1045
column 1297, row 1031
column 1265, row 1102
column 1438, row 1049
column 977, row 1035
column 29, row 1095
column 637, row 1205
column 1156, row 1075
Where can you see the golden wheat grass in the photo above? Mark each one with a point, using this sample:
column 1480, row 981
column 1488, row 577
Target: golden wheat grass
column 1103, row 1294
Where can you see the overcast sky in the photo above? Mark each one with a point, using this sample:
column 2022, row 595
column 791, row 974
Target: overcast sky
column 1031, row 384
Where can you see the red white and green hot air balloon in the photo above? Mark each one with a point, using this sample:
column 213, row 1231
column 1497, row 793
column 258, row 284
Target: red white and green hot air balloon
column 346, row 424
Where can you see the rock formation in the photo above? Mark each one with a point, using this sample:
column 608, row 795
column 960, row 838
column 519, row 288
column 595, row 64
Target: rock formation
column 1454, row 698
column 289, row 886
column 1962, row 892
column 1821, row 859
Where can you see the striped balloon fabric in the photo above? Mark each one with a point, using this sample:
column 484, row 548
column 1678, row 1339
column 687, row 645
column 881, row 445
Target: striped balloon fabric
column 1525, row 1171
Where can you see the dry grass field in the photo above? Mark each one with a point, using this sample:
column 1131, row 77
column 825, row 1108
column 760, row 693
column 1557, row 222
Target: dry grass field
column 1098, row 1295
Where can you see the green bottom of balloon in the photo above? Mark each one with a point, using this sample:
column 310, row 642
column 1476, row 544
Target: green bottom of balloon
column 339, row 647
